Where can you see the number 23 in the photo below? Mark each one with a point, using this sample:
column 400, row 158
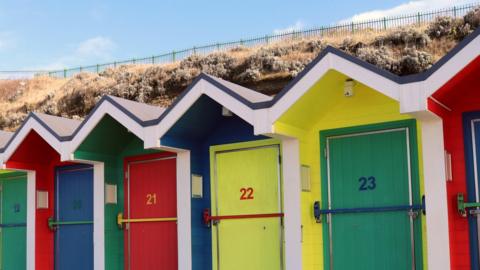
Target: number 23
column 367, row 183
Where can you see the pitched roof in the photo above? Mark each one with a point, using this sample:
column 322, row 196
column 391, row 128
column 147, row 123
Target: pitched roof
column 61, row 127
column 141, row 111
column 375, row 69
column 246, row 93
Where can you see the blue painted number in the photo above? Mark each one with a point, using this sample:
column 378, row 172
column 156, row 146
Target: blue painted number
column 367, row 183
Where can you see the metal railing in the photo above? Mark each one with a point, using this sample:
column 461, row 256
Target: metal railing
column 343, row 29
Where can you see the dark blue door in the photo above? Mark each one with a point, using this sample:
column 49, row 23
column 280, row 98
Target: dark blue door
column 74, row 218
column 472, row 154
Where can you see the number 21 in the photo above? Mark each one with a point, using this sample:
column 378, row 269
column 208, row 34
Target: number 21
column 152, row 199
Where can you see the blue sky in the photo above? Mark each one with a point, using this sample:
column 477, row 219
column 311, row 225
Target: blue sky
column 55, row 34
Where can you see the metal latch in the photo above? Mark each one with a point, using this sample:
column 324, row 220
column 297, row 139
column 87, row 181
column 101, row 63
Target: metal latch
column 316, row 212
column 462, row 206
column 413, row 213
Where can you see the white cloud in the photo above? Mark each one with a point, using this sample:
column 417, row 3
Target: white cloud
column 7, row 40
column 97, row 46
column 91, row 51
column 297, row 26
column 406, row 8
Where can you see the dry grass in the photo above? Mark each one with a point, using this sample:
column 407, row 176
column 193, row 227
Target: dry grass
column 15, row 93
column 20, row 96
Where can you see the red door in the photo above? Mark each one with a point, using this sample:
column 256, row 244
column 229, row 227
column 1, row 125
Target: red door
column 150, row 213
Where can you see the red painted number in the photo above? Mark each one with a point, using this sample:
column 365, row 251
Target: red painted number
column 247, row 193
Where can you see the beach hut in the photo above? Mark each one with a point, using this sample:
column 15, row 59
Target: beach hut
column 245, row 205
column 367, row 201
column 13, row 218
column 145, row 219
column 59, row 221
column 452, row 92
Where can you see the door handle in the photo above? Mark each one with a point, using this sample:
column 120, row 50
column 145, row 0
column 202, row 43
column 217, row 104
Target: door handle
column 121, row 220
column 53, row 224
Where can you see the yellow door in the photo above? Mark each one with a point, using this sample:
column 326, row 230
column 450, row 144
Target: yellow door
column 247, row 233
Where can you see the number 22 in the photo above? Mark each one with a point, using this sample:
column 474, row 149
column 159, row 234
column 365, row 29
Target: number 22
column 246, row 196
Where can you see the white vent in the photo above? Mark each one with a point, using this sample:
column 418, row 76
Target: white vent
column 448, row 166
column 42, row 199
column 110, row 194
column 197, row 186
column 305, row 178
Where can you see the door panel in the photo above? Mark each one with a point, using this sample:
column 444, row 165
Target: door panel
column 151, row 191
column 74, row 203
column 371, row 171
column 247, row 183
column 472, row 150
column 14, row 214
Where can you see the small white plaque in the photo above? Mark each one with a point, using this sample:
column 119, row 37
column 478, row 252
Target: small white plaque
column 305, row 178
column 110, row 194
column 42, row 199
column 197, row 186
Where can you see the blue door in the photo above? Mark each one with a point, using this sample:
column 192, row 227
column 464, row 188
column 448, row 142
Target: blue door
column 472, row 155
column 73, row 222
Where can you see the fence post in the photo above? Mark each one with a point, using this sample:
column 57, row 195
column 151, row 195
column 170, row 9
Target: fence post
column 98, row 68
column 173, row 56
column 267, row 39
column 353, row 28
column 80, row 68
column 384, row 23
column 241, row 42
column 133, row 60
column 218, row 46
column 194, row 50
column 65, row 73
column 454, row 11
column 153, row 59
column 418, row 18
column 114, row 64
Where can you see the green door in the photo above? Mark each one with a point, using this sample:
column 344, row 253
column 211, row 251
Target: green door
column 247, row 199
column 370, row 184
column 13, row 198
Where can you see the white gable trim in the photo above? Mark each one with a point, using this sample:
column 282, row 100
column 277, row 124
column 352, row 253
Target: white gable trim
column 342, row 65
column 412, row 96
column 106, row 108
column 203, row 87
column 31, row 124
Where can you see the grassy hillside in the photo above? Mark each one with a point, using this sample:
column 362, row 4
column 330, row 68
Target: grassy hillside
column 266, row 69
